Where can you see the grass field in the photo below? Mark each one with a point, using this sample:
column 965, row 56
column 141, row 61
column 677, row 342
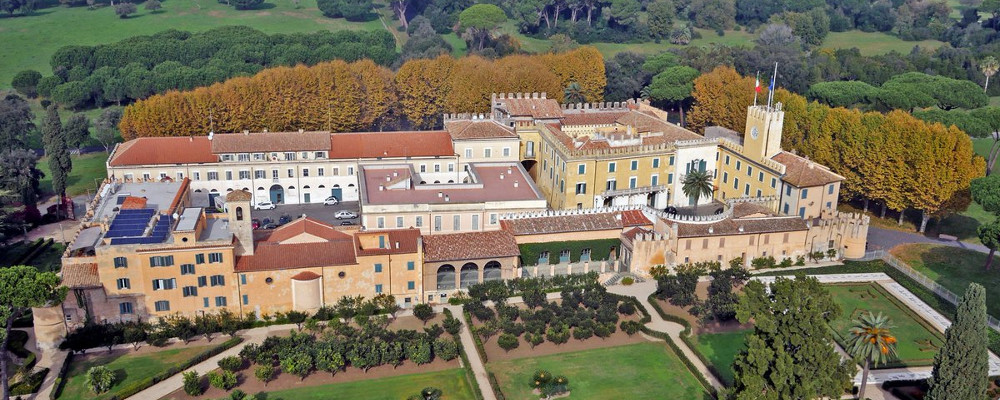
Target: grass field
column 638, row 371
column 918, row 341
column 871, row 43
column 30, row 41
column 452, row 382
column 721, row 349
column 954, row 269
column 128, row 368
column 86, row 168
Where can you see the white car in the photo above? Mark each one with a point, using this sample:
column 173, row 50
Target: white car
column 344, row 214
column 267, row 205
column 330, row 201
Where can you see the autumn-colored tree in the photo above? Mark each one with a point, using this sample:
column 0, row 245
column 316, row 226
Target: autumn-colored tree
column 423, row 86
column 583, row 65
column 721, row 98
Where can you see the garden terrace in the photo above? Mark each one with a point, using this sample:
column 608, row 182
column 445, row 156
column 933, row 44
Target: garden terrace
column 452, row 382
column 954, row 269
column 918, row 341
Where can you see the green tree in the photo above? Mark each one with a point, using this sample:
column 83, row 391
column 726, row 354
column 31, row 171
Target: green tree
column 77, row 130
column 989, row 67
column 660, row 62
column 790, row 354
column 16, row 122
column 445, row 348
column 124, row 9
column 106, row 127
column 661, row 18
column 872, row 341
column 99, row 379
column 153, row 5
column 224, row 380
column 961, row 366
column 246, row 4
column 842, row 93
column 298, row 363
column 989, row 234
column 21, row 288
column 54, row 140
column 697, row 184
column 508, row 342
column 264, row 373
column 481, row 20
column 328, row 359
column 192, row 383
column 26, row 82
column 991, row 117
column 674, row 85
column 625, row 12
column 424, row 312
column 19, row 174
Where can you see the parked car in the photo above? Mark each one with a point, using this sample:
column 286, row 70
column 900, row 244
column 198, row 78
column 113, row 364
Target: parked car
column 346, row 223
column 330, row 201
column 267, row 205
column 344, row 214
column 284, row 220
column 270, row 226
column 266, row 221
column 255, row 223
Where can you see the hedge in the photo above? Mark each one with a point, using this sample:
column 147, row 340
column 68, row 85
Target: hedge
column 470, row 376
column 600, row 250
column 686, row 337
column 29, row 384
column 673, row 346
column 475, row 337
column 496, row 386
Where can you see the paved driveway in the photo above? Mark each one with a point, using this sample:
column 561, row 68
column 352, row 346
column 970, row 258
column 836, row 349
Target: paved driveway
column 314, row 211
column 885, row 239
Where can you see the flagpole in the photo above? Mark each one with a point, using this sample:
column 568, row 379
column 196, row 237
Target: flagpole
column 770, row 91
column 756, row 88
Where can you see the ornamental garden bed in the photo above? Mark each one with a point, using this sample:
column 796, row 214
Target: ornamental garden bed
column 918, row 340
column 581, row 319
column 647, row 370
column 323, row 359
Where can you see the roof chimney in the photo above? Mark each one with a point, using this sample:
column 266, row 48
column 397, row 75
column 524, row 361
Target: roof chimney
column 447, row 198
column 440, row 194
column 711, row 229
column 246, row 131
column 501, row 176
column 381, row 187
column 741, row 228
column 397, row 245
column 516, row 183
column 301, row 130
column 388, row 178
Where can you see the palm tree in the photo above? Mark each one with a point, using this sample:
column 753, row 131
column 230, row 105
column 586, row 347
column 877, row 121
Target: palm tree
column 573, row 94
column 696, row 184
column 989, row 66
column 872, row 341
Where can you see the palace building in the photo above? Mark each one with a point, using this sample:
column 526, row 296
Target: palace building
column 532, row 188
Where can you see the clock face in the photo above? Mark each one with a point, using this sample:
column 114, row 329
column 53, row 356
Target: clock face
column 753, row 132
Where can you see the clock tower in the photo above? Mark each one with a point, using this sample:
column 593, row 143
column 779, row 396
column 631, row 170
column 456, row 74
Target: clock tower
column 762, row 137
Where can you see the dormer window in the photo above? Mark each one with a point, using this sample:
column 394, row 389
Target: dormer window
column 258, row 156
column 305, row 155
column 319, row 155
column 227, row 157
column 244, row 157
column 289, row 156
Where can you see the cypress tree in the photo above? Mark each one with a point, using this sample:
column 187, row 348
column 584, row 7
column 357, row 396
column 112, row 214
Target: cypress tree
column 54, row 141
column 961, row 367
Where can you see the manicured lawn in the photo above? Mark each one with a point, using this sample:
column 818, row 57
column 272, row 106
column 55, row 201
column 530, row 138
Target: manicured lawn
column 128, row 368
column 954, row 269
column 918, row 340
column 721, row 349
column 86, row 168
column 872, row 43
column 638, row 371
column 452, row 382
column 30, row 41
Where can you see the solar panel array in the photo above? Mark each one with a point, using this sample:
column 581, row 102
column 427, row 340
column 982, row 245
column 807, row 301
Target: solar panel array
column 130, row 225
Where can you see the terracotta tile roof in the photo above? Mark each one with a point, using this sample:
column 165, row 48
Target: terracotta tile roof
column 629, row 236
column 133, row 203
column 741, row 210
column 391, row 144
column 561, row 136
column 643, row 122
column 478, row 129
column 634, row 218
column 731, row 226
column 470, row 246
column 801, row 172
column 536, row 108
column 78, row 276
column 306, row 225
column 591, row 117
column 562, row 223
column 274, row 256
column 163, row 150
column 305, row 276
column 271, row 254
column 263, row 142
column 406, row 239
column 239, row 195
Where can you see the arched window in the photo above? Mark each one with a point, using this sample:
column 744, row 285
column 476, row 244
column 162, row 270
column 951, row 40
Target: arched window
column 492, row 271
column 469, row 275
column 446, row 277
column 239, row 213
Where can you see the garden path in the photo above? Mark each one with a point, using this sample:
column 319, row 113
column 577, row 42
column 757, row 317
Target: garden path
column 641, row 291
column 469, row 347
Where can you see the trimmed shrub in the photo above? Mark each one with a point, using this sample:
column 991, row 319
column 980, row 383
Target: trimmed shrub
column 264, row 373
column 445, row 348
column 99, row 379
column 627, row 281
column 424, row 312
column 508, row 342
column 231, row 363
column 224, row 380
column 192, row 383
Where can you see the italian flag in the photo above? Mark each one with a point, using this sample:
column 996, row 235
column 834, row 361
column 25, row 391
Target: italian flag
column 757, row 85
